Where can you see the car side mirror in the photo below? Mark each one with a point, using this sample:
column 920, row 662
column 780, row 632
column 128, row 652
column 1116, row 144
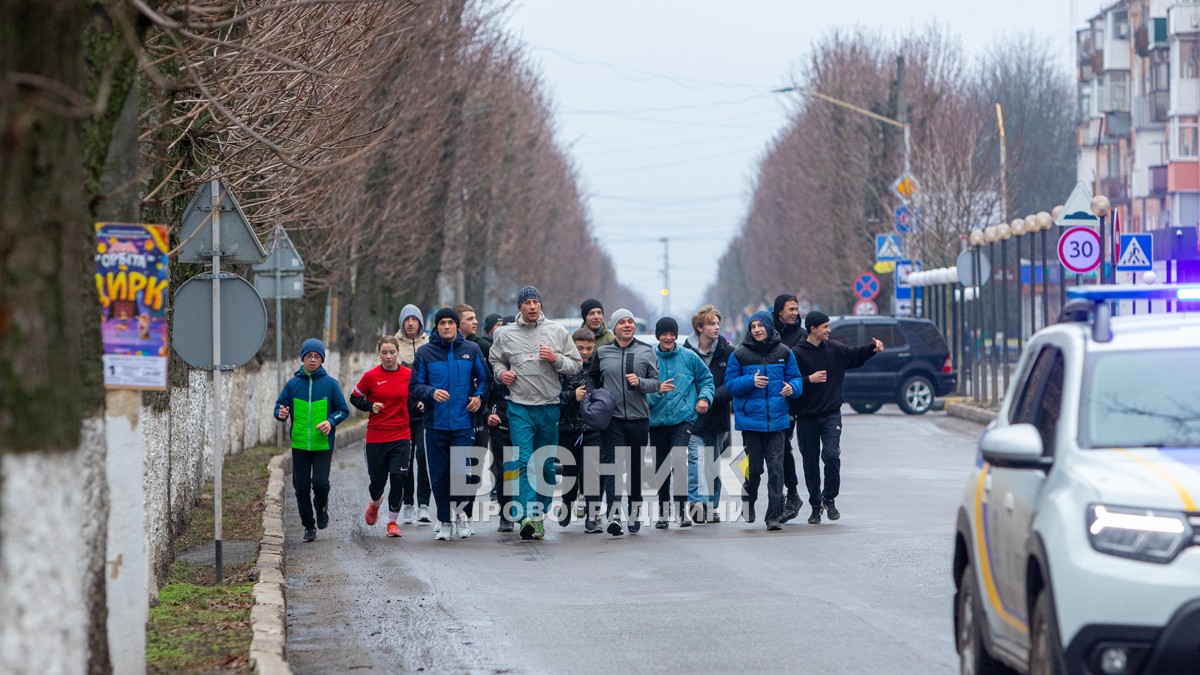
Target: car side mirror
column 1018, row 446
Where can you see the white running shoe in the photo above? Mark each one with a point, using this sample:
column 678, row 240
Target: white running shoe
column 423, row 515
column 464, row 527
column 407, row 513
column 445, row 531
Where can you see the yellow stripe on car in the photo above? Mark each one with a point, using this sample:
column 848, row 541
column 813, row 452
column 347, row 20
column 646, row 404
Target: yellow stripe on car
column 985, row 561
column 1189, row 504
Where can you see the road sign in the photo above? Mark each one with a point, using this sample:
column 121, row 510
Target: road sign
column 905, row 187
column 238, row 241
column 903, row 219
column 804, row 307
column 243, row 321
column 283, row 256
column 966, row 269
column 1079, row 249
column 1077, row 211
column 903, row 307
column 865, row 307
column 290, row 287
column 866, row 285
column 905, row 268
column 885, row 267
column 1137, row 253
column 888, row 247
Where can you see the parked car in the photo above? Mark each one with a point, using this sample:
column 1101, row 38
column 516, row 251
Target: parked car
column 1077, row 542
column 913, row 368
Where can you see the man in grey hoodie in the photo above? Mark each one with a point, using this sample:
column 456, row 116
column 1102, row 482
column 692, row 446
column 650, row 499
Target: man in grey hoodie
column 628, row 369
column 412, row 336
column 528, row 357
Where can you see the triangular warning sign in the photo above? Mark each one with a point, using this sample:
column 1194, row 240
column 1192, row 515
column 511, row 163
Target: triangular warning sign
column 1078, row 209
column 889, row 251
column 1133, row 255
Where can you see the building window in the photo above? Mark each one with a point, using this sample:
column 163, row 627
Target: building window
column 1186, row 135
column 1189, row 59
column 1121, row 24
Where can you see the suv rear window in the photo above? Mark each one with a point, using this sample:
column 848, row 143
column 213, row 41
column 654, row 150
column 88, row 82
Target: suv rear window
column 1141, row 399
column 924, row 333
column 887, row 333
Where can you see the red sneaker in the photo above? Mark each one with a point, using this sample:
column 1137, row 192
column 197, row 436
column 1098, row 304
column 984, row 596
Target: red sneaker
column 372, row 513
column 393, row 529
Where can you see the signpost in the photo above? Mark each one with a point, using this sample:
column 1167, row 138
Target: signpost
column 906, row 187
column 967, row 275
column 1079, row 249
column 1077, row 211
column 284, row 279
column 1137, row 253
column 865, row 307
column 888, row 247
column 866, row 286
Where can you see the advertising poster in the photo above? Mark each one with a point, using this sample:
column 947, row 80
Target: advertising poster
column 132, row 280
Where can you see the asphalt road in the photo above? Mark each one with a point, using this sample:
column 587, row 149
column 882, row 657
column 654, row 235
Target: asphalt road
column 871, row 593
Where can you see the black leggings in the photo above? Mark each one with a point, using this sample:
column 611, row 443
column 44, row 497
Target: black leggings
column 310, row 479
column 417, row 431
column 384, row 461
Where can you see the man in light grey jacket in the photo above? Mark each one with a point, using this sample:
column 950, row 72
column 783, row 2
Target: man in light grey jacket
column 628, row 369
column 527, row 357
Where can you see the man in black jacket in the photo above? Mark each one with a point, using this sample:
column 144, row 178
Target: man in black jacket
column 786, row 315
column 819, row 412
column 711, row 430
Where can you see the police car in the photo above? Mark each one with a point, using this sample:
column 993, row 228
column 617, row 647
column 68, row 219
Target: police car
column 1077, row 547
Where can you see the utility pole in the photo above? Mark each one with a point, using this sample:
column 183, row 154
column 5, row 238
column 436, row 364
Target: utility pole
column 666, row 275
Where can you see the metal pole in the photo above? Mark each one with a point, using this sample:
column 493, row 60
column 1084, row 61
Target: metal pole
column 217, row 445
column 1004, row 302
column 995, row 374
column 977, row 330
column 1020, row 296
column 1102, row 277
column 956, row 328
column 278, row 342
column 1045, row 285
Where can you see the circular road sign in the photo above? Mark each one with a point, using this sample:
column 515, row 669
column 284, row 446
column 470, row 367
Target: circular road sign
column 866, row 286
column 1079, row 249
column 243, row 322
column 865, row 307
column 966, row 269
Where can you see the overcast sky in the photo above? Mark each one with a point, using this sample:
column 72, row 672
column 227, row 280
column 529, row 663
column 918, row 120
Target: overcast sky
column 666, row 106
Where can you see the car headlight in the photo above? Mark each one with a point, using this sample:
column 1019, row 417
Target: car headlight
column 1141, row 534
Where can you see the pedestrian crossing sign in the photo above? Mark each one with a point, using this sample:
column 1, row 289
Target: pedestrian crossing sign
column 888, row 247
column 1137, row 253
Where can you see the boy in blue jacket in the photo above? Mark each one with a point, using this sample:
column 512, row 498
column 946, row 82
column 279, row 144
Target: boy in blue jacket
column 762, row 374
column 315, row 402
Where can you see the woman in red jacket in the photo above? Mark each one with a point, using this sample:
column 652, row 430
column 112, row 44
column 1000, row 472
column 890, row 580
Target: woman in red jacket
column 383, row 393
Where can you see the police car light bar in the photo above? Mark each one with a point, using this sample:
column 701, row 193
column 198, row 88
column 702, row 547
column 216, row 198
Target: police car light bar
column 1135, row 292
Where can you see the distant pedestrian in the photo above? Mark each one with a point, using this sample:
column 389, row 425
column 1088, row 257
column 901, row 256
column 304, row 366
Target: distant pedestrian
column 451, row 379
column 710, row 433
column 628, row 369
column 787, row 321
column 574, row 434
column 412, row 336
column 490, row 323
column 823, row 363
column 593, row 319
column 762, row 374
column 382, row 392
column 685, row 392
column 528, row 357
column 314, row 402
column 468, row 325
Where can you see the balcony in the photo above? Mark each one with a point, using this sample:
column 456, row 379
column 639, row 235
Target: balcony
column 1115, row 189
column 1116, row 125
column 1185, row 97
column 1183, row 18
column 1158, row 180
column 1150, row 112
column 1098, row 61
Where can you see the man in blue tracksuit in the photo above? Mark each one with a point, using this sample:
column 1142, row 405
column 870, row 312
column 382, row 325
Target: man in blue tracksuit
column 450, row 377
column 762, row 375
column 685, row 392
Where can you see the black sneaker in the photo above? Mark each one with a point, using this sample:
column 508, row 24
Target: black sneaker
column 635, row 526
column 791, row 508
column 661, row 524
column 815, row 518
column 591, row 526
column 774, row 525
column 310, row 534
column 564, row 515
column 749, row 509
column 614, row 528
column 505, row 526
column 684, row 521
column 832, row 511
column 323, row 518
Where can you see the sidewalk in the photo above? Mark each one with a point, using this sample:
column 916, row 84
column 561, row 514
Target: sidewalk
column 965, row 407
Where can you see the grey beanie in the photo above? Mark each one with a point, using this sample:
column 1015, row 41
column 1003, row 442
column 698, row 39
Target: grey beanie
column 618, row 315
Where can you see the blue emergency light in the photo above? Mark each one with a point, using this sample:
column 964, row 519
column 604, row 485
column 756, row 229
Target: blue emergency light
column 1090, row 303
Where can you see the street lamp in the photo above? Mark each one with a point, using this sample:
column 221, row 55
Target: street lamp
column 1101, row 207
column 992, row 236
column 873, row 115
column 976, row 240
column 1003, row 233
column 1019, row 227
column 1062, row 277
column 1045, row 222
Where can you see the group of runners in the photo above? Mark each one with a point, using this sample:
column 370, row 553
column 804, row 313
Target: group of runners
column 520, row 408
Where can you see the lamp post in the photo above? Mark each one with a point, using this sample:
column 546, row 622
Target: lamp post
column 1018, row 230
column 1062, row 277
column 1003, row 232
column 1031, row 228
column 976, row 240
column 1045, row 222
column 1101, row 207
column 990, row 234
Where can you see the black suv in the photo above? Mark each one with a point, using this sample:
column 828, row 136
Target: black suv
column 912, row 369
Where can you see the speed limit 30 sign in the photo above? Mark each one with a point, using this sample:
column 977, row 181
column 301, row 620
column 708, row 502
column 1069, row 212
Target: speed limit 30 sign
column 1079, row 249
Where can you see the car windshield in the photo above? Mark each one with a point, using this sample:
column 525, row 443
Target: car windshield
column 1142, row 399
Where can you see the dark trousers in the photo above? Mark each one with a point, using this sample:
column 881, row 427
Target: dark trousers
column 440, row 447
column 765, row 447
column 820, row 441
column 384, row 461
column 497, row 441
column 670, row 445
column 574, row 443
column 421, row 475
column 310, row 479
column 482, row 440
column 633, row 434
column 791, row 480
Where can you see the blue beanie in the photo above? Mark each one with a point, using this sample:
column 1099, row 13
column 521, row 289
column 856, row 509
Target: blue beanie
column 526, row 293
column 312, row 345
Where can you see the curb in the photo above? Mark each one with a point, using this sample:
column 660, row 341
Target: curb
column 970, row 412
column 268, row 617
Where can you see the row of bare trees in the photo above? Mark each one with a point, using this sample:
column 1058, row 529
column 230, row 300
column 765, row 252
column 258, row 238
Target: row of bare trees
column 823, row 188
column 406, row 145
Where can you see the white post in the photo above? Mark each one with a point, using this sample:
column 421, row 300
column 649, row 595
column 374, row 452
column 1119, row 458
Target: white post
column 128, row 569
column 217, row 379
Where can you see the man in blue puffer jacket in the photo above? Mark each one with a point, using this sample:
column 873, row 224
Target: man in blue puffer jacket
column 762, row 373
column 449, row 376
column 685, row 392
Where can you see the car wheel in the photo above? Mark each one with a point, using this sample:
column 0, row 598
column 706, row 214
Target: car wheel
column 1045, row 648
column 866, row 408
column 973, row 658
column 916, row 395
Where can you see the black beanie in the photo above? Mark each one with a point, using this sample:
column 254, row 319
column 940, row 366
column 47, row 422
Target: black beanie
column 666, row 325
column 780, row 300
column 510, row 319
column 588, row 305
column 445, row 313
column 491, row 320
column 815, row 318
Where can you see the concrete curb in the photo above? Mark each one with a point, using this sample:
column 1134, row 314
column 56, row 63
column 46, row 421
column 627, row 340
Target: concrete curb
column 268, row 617
column 970, row 412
